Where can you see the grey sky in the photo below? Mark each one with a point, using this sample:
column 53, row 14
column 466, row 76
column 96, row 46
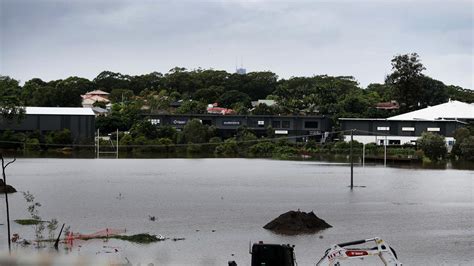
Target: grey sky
column 57, row 39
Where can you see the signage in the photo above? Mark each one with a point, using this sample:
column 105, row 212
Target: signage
column 179, row 122
column 231, row 123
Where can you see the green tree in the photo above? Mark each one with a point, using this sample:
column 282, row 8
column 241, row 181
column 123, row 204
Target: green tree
column 433, row 146
column 406, row 79
column 121, row 95
column 10, row 103
column 195, row 132
column 191, row 107
column 459, row 135
column 467, row 148
column 144, row 128
column 232, row 97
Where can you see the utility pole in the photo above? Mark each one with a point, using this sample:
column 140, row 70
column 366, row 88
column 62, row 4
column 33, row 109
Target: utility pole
column 385, row 152
column 117, row 156
column 352, row 160
column 363, row 155
column 98, row 143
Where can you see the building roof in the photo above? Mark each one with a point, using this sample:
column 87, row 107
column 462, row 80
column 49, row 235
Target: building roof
column 98, row 92
column 451, row 110
column 58, row 111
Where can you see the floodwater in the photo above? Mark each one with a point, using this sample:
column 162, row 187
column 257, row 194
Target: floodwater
column 220, row 205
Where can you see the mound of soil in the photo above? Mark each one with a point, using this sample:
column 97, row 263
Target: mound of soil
column 9, row 188
column 297, row 222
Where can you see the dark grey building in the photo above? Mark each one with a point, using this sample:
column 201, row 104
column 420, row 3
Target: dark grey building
column 227, row 125
column 80, row 121
column 397, row 132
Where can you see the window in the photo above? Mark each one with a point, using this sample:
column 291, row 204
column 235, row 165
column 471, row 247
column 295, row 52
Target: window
column 285, row 124
column 281, row 132
column 276, row 124
column 154, row 121
column 408, row 129
column 311, row 124
column 433, row 129
column 383, row 128
column 207, row 122
column 393, row 142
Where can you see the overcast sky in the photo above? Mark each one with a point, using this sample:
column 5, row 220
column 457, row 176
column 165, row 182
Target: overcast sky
column 58, row 39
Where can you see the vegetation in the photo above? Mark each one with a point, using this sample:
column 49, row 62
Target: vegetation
column 183, row 91
column 433, row 146
column 27, row 221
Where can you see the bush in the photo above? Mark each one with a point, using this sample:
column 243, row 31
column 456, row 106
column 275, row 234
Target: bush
column 433, row 146
column 467, row 148
column 265, row 149
column 33, row 144
column 228, row 148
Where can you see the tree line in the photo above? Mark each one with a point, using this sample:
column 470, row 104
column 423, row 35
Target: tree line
column 338, row 96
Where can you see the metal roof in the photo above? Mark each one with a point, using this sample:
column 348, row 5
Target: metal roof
column 451, row 110
column 58, row 111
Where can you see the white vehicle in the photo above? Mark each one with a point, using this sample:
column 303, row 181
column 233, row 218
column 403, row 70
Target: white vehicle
column 338, row 254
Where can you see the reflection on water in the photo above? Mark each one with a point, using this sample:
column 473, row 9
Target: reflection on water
column 219, row 205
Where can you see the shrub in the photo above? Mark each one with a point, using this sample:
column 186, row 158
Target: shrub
column 433, row 146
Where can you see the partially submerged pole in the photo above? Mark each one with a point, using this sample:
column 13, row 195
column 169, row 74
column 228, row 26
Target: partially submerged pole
column 363, row 155
column 56, row 243
column 117, row 144
column 352, row 160
column 4, row 166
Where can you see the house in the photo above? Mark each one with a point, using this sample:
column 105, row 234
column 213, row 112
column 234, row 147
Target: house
column 392, row 105
column 90, row 98
column 215, row 109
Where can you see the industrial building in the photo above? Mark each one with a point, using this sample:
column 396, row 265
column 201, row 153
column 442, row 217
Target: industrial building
column 227, row 125
column 80, row 121
column 442, row 119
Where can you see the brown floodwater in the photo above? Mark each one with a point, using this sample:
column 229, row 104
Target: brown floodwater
column 220, row 205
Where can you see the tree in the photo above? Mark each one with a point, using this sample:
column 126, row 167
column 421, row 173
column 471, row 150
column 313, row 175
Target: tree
column 433, row 146
column 120, row 95
column 195, row 132
column 108, row 80
column 467, row 148
column 232, row 97
column 209, row 95
column 10, row 103
column 191, row 107
column 263, row 109
column 144, row 128
column 406, row 79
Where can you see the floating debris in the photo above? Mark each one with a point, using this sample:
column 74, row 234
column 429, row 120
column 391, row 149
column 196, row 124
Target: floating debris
column 7, row 189
column 28, row 221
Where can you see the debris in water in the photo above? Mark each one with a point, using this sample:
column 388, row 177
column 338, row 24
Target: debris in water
column 152, row 218
column 297, row 222
column 28, row 221
column 7, row 189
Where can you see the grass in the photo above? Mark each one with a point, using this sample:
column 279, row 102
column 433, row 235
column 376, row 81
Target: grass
column 28, row 221
column 138, row 238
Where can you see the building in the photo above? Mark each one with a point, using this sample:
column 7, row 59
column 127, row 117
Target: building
column 282, row 126
column 442, row 119
column 80, row 121
column 90, row 98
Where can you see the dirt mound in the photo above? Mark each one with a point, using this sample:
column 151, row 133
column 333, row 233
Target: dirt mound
column 297, row 222
column 9, row 188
